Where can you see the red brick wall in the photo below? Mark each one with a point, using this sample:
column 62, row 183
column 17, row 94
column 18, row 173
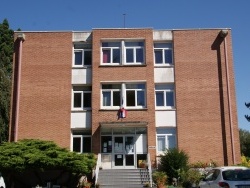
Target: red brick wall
column 201, row 96
column 45, row 91
column 101, row 73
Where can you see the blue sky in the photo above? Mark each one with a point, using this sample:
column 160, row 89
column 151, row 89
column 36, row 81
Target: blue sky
column 78, row 15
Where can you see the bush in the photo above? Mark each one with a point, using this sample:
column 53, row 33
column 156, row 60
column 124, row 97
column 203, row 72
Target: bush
column 173, row 162
column 191, row 177
column 159, row 178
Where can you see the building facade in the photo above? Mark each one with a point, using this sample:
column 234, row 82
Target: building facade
column 128, row 94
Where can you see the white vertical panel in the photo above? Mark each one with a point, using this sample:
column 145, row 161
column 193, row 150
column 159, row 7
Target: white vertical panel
column 81, row 119
column 165, row 118
column 141, row 144
column 163, row 74
column 81, row 76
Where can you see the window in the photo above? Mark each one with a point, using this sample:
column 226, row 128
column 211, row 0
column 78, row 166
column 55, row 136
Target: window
column 126, row 94
column 134, row 52
column 164, row 96
column 82, row 55
column 166, row 139
column 82, row 143
column 135, row 95
column 122, row 52
column 81, row 97
column 163, row 53
column 111, row 52
column 111, row 95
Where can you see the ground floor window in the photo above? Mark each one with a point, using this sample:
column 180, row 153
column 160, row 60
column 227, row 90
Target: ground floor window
column 166, row 139
column 81, row 142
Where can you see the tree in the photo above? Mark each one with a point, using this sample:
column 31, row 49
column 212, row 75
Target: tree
column 173, row 162
column 245, row 142
column 247, row 116
column 36, row 158
column 6, row 53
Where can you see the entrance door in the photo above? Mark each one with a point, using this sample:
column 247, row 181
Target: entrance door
column 124, row 152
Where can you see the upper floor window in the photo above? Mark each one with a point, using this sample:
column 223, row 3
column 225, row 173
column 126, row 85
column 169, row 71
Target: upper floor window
column 111, row 52
column 134, row 52
column 82, row 55
column 163, row 53
column 122, row 52
column 164, row 96
column 111, row 95
column 129, row 95
column 81, row 97
column 135, row 95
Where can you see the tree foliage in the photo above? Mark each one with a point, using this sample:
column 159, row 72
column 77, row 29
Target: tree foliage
column 245, row 143
column 37, row 154
column 247, row 116
column 6, row 53
column 173, row 162
column 38, row 158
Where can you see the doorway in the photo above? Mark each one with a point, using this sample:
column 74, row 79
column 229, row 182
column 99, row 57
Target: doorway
column 124, row 151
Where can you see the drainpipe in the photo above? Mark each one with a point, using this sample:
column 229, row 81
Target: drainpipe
column 21, row 38
column 223, row 34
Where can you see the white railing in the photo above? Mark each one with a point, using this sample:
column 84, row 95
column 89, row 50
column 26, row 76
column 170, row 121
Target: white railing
column 150, row 169
column 98, row 165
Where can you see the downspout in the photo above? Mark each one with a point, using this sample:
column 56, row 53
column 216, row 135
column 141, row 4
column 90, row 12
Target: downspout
column 21, row 38
column 223, row 33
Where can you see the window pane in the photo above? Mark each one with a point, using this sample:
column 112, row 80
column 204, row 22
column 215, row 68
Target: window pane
column 106, row 56
column 78, row 58
column 135, row 86
column 140, row 98
column 158, row 56
column 130, row 97
column 168, row 56
column 116, row 98
column 86, row 144
column 111, row 86
column 129, row 56
column 106, row 98
column 111, row 44
column 171, row 142
column 134, row 44
column 77, row 144
column 77, row 100
column 87, row 57
column 170, row 98
column 116, row 56
column 159, row 98
column 139, row 55
column 106, row 144
column 87, row 100
column 161, row 143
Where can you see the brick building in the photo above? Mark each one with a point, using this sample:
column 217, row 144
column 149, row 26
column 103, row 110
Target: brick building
column 128, row 94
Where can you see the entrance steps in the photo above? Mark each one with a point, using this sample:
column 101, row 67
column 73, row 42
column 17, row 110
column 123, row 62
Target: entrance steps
column 123, row 178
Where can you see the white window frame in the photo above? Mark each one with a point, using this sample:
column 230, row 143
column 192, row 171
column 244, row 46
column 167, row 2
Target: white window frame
column 82, row 100
column 111, row 49
column 166, row 136
column 134, row 48
column 123, row 100
column 123, row 49
column 136, row 93
column 111, row 98
column 83, row 54
column 169, row 88
column 81, row 142
column 163, row 49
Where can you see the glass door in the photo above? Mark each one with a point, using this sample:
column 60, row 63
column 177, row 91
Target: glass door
column 129, row 151
column 118, row 150
column 124, row 152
